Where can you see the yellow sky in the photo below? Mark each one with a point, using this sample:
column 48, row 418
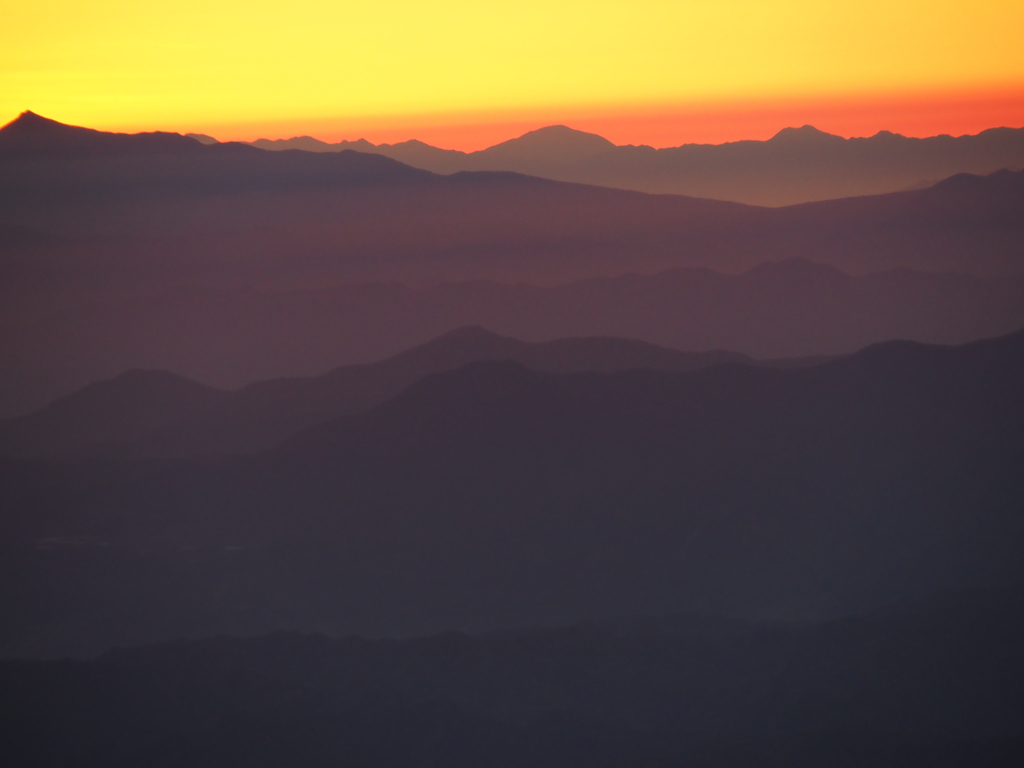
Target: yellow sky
column 245, row 66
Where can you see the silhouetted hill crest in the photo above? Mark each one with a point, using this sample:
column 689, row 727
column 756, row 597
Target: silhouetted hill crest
column 495, row 496
column 806, row 135
column 480, row 392
column 33, row 134
column 904, row 348
column 154, row 413
column 111, row 411
column 555, row 143
column 795, row 165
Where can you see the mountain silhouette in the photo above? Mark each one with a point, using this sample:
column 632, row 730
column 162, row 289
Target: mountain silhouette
column 229, row 214
column 554, row 144
column 495, row 496
column 309, row 144
column 31, row 134
column 153, row 413
column 121, row 409
column 202, row 138
column 569, row 543
column 805, row 136
column 789, row 309
column 796, row 165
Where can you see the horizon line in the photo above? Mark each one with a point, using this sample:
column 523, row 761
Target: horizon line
column 914, row 115
column 791, row 127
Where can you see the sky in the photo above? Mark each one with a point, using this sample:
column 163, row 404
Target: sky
column 465, row 75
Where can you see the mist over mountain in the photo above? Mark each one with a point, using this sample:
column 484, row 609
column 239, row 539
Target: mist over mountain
column 154, row 413
column 229, row 338
column 797, row 165
column 494, row 496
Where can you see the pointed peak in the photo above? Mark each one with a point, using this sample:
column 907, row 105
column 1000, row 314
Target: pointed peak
column 29, row 121
column 28, row 116
column 37, row 135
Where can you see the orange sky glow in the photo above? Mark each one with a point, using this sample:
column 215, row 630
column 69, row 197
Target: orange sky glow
column 917, row 114
column 465, row 75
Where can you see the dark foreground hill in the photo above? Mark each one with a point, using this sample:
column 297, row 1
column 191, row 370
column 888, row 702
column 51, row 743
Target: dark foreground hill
column 157, row 414
column 495, row 496
column 938, row 682
column 229, row 338
column 797, row 165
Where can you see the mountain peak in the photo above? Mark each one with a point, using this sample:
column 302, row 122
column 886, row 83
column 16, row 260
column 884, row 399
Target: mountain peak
column 202, row 138
column 552, row 143
column 34, row 134
column 803, row 135
column 26, row 117
column 29, row 123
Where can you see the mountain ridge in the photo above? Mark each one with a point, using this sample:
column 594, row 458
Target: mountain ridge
column 158, row 414
column 792, row 309
column 746, row 171
column 30, row 133
column 557, row 152
column 740, row 688
column 493, row 496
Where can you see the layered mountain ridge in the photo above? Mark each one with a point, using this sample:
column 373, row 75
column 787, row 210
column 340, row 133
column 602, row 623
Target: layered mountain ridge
column 495, row 496
column 796, row 165
column 783, row 310
column 157, row 414
column 930, row 682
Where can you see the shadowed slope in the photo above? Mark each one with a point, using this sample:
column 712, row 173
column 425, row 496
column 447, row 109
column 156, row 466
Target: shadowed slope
column 496, row 496
column 931, row 683
column 115, row 411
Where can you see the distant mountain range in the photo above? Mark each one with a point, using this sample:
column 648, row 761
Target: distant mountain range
column 329, row 392
column 797, row 165
column 80, row 216
column 495, row 496
column 228, row 264
column 231, row 337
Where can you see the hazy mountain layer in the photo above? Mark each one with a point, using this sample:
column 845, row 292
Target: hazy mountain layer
column 232, row 337
column 114, row 218
column 929, row 683
column 797, row 165
column 153, row 413
column 495, row 496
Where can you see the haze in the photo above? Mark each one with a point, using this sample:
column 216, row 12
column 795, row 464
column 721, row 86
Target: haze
column 517, row 385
